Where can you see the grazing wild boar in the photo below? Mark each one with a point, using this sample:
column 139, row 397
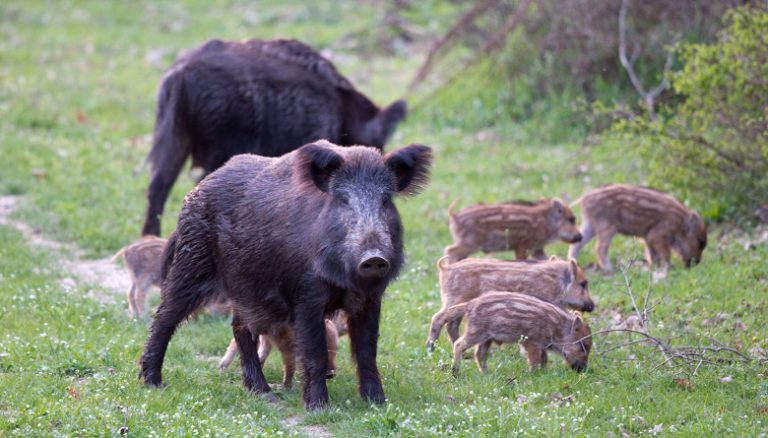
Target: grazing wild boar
column 659, row 219
column 142, row 259
column 291, row 240
column 514, row 317
column 282, row 337
column 263, row 97
column 522, row 226
column 558, row 281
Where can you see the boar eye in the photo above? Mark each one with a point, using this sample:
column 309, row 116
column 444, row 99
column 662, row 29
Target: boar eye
column 343, row 199
column 572, row 220
column 583, row 284
column 386, row 199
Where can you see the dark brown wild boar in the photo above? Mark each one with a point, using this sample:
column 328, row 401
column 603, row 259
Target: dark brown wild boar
column 291, row 240
column 264, row 97
column 522, row 226
column 659, row 219
column 558, row 281
column 505, row 317
column 282, row 337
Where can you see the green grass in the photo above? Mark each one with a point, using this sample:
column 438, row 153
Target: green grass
column 76, row 116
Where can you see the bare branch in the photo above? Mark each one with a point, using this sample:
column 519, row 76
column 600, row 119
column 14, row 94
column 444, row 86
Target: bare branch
column 462, row 24
column 629, row 64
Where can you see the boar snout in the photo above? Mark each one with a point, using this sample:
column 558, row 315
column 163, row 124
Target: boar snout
column 576, row 238
column 373, row 265
column 587, row 306
column 330, row 374
column 578, row 365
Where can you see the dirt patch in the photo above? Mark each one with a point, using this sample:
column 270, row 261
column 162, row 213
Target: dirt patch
column 100, row 279
column 294, row 424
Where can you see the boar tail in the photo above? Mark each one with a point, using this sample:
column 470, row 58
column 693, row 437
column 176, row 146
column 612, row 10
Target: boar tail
column 118, row 254
column 442, row 318
column 452, row 213
column 576, row 202
column 443, row 262
column 166, row 123
column 168, row 253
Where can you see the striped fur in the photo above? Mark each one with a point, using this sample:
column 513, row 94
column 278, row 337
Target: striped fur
column 506, row 317
column 557, row 281
column 522, row 226
column 659, row 219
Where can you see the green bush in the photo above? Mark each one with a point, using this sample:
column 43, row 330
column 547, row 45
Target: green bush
column 713, row 146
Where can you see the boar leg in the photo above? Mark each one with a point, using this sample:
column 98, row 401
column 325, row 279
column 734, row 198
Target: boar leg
column 453, row 330
column 363, row 337
column 521, row 253
column 265, row 347
column 481, row 356
column 332, row 341
column 132, row 310
column 309, row 330
column 539, row 254
column 587, row 233
column 604, row 238
column 284, row 343
column 166, row 168
column 253, row 376
column 229, row 356
column 537, row 358
column 144, row 284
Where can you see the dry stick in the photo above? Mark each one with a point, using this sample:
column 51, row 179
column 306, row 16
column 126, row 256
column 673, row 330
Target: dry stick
column 629, row 64
column 495, row 39
column 462, row 24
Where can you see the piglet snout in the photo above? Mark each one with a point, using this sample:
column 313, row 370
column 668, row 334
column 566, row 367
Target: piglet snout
column 374, row 265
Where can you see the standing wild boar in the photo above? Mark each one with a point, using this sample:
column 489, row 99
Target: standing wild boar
column 290, row 240
column 520, row 225
column 557, row 281
column 659, row 219
column 513, row 317
column 282, row 337
column 264, row 97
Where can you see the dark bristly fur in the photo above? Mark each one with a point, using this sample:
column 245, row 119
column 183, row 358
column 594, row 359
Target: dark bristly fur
column 289, row 241
column 264, row 97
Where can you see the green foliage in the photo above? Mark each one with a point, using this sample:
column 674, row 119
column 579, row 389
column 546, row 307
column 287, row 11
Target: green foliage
column 713, row 147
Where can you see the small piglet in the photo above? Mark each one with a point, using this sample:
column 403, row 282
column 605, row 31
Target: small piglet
column 142, row 259
column 558, row 281
column 659, row 219
column 283, row 338
column 512, row 317
column 522, row 226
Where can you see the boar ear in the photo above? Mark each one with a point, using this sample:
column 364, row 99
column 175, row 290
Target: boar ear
column 574, row 268
column 315, row 164
column 694, row 221
column 558, row 208
column 578, row 324
column 410, row 165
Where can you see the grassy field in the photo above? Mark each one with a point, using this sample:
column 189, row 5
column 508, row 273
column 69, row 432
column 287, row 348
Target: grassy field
column 76, row 116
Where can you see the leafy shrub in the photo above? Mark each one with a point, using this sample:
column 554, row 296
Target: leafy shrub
column 713, row 146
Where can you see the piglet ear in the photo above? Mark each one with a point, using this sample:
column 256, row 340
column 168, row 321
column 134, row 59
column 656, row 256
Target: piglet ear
column 410, row 165
column 578, row 324
column 315, row 164
column 694, row 222
column 558, row 208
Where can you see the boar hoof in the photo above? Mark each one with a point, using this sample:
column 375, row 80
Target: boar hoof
column 330, row 374
column 430, row 346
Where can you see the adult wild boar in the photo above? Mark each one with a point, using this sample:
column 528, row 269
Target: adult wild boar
column 264, row 97
column 291, row 240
